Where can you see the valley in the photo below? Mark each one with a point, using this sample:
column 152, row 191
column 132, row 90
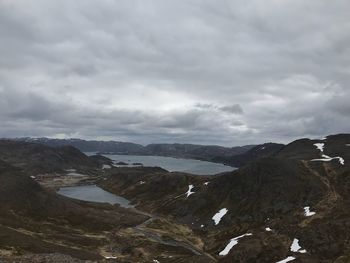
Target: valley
column 288, row 206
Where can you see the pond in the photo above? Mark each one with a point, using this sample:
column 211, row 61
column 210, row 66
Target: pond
column 93, row 193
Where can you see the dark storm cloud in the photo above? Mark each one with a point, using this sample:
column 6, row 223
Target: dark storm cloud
column 227, row 72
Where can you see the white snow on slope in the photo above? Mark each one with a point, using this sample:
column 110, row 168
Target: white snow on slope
column 286, row 260
column 206, row 183
column 189, row 192
column 295, row 247
column 75, row 174
column 106, row 166
column 110, row 257
column 232, row 243
column 307, row 211
column 268, row 229
column 347, row 144
column 326, row 158
column 319, row 146
column 217, row 217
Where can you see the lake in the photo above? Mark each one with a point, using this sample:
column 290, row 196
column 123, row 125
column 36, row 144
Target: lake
column 93, row 193
column 174, row 164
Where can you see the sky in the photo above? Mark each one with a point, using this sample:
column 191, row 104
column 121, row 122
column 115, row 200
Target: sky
column 220, row 72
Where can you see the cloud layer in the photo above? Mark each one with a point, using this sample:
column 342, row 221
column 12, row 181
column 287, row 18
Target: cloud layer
column 200, row 71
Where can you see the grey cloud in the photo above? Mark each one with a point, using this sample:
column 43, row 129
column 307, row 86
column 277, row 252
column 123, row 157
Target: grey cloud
column 229, row 72
column 236, row 108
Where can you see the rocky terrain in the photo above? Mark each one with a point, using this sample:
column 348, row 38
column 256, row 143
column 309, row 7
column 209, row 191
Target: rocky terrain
column 288, row 205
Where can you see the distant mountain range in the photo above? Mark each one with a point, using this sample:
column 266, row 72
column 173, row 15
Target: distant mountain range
column 235, row 156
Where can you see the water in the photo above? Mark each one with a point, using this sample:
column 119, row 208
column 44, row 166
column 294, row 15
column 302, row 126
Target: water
column 93, row 193
column 174, row 164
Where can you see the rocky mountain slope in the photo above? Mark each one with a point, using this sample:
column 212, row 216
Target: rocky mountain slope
column 39, row 225
column 36, row 158
column 256, row 152
column 292, row 205
column 35, row 220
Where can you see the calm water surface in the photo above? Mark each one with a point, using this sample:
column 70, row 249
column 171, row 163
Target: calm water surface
column 93, row 193
column 174, row 164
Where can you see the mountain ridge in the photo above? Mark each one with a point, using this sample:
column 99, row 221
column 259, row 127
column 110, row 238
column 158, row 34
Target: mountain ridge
column 234, row 156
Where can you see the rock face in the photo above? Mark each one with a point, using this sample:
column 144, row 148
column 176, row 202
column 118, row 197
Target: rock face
column 298, row 192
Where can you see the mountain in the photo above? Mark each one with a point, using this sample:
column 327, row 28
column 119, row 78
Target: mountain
column 254, row 153
column 35, row 220
column 293, row 203
column 201, row 152
column 90, row 146
column 37, row 158
column 289, row 204
column 39, row 225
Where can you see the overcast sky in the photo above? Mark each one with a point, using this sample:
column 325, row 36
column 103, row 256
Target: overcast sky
column 203, row 71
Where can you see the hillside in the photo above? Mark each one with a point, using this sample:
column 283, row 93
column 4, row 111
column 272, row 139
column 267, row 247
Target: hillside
column 28, row 213
column 291, row 205
column 36, row 158
column 39, row 225
column 254, row 153
column 299, row 193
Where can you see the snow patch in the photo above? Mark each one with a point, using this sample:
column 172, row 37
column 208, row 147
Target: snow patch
column 106, row 166
column 155, row 261
column 268, row 229
column 202, row 226
column 217, row 217
column 110, row 257
column 232, row 243
column 307, row 211
column 32, row 176
column 206, row 183
column 319, row 146
column 142, row 182
column 295, row 247
column 326, row 158
column 75, row 174
column 189, row 192
column 286, row 260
